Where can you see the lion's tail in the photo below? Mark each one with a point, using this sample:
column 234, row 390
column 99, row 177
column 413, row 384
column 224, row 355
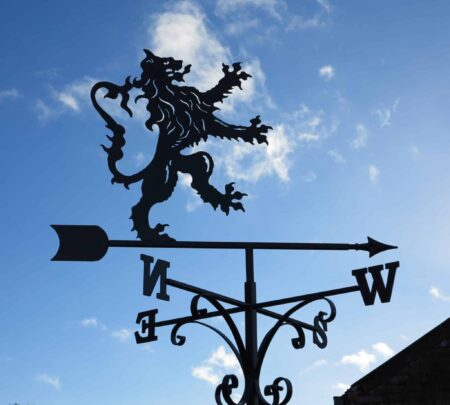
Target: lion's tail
column 117, row 139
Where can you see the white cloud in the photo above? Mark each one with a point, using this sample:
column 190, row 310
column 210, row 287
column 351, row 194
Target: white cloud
column 76, row 93
column 327, row 72
column 360, row 140
column 319, row 363
column 383, row 349
column 374, row 173
column 299, row 22
column 272, row 7
column 89, row 322
column 250, row 163
column 122, row 335
column 223, row 359
column 340, row 387
column 93, row 323
column 308, row 177
column 384, row 114
column 326, row 5
column 307, row 137
column 49, row 380
column 214, row 368
column 9, row 94
column 182, row 32
column 362, row 360
column 336, row 156
column 139, row 159
column 438, row 294
column 44, row 111
column 237, row 27
column 68, row 100
column 311, row 125
column 207, row 374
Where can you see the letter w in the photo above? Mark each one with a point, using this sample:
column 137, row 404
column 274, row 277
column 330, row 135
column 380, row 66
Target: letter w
column 383, row 290
column 151, row 277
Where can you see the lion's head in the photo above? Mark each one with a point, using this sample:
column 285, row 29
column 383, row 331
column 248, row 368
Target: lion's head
column 162, row 70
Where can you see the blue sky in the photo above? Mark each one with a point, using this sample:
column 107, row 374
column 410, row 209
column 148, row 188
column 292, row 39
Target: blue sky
column 357, row 93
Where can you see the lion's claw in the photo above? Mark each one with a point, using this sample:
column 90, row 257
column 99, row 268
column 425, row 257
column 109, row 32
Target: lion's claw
column 227, row 199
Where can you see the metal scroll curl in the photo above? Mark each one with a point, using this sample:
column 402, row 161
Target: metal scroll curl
column 230, row 382
column 319, row 329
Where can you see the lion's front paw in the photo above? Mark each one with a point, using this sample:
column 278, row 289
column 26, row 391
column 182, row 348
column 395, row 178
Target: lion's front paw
column 259, row 131
column 235, row 76
column 227, row 200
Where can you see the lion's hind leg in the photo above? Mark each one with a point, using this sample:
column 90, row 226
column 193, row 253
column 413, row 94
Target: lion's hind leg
column 156, row 188
column 200, row 166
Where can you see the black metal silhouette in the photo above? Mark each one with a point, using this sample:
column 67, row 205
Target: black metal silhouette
column 184, row 116
column 87, row 243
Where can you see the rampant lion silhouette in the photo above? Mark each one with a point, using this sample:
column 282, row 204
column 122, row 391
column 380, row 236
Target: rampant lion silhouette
column 184, row 116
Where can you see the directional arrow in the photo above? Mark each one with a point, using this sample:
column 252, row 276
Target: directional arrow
column 90, row 243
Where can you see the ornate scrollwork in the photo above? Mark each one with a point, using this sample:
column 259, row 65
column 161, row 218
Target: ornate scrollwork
column 319, row 329
column 275, row 388
column 225, row 390
column 230, row 382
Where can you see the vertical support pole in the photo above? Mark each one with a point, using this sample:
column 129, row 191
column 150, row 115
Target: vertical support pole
column 251, row 325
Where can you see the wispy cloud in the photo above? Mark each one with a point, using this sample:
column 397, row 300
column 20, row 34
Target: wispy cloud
column 308, row 177
column 243, row 11
column 437, row 293
column 44, row 111
column 93, row 323
column 251, row 163
column 374, row 173
column 72, row 97
column 327, row 72
column 384, row 114
column 360, row 139
column 336, row 156
column 75, row 94
column 122, row 335
column 89, row 323
column 274, row 8
column 49, row 380
column 317, row 364
column 312, row 125
column 10, row 94
column 213, row 369
column 139, row 159
column 326, row 5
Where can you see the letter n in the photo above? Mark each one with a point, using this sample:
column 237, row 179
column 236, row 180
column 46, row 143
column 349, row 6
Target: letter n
column 151, row 277
column 384, row 290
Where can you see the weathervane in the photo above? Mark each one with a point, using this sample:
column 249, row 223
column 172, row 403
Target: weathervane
column 184, row 116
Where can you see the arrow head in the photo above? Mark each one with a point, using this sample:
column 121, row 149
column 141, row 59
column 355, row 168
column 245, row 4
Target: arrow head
column 374, row 247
